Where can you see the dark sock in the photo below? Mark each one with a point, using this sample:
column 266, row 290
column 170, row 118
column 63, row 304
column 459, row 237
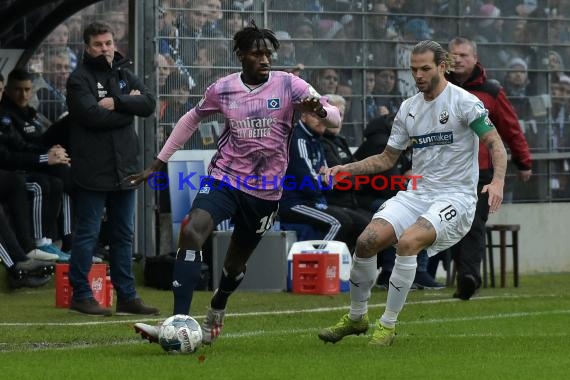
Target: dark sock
column 185, row 278
column 227, row 286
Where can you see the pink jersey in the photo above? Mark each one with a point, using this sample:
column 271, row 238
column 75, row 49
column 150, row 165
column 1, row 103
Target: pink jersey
column 253, row 149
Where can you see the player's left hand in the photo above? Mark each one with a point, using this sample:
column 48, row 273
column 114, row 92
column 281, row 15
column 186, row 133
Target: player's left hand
column 313, row 104
column 495, row 191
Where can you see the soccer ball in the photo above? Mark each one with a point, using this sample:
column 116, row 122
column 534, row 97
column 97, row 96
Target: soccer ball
column 180, row 334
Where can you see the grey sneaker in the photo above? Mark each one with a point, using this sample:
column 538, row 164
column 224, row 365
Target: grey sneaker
column 135, row 306
column 147, row 332
column 89, row 306
column 344, row 327
column 212, row 325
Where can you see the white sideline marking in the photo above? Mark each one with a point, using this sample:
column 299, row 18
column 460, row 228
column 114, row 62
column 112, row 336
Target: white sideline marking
column 261, row 313
column 42, row 346
column 421, row 321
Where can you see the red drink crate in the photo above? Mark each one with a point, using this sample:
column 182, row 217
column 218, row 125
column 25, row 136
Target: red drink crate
column 315, row 273
column 98, row 279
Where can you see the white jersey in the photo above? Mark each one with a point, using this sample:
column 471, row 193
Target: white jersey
column 445, row 148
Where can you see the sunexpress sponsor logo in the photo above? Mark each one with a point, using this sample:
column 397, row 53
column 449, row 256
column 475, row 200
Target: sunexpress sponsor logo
column 439, row 138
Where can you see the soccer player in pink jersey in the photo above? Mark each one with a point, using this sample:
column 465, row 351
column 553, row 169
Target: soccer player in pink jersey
column 245, row 173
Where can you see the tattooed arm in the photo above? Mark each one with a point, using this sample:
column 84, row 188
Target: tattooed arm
column 373, row 164
column 370, row 165
column 493, row 142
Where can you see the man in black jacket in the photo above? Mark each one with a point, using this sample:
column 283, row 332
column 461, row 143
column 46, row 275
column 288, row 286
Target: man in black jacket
column 103, row 98
column 45, row 166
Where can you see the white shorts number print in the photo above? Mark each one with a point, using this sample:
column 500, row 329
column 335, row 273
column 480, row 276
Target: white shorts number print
column 450, row 214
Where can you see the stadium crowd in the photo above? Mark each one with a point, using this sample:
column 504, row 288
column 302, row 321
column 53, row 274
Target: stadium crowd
column 357, row 52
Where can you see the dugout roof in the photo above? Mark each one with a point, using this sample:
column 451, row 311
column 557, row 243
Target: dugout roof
column 25, row 23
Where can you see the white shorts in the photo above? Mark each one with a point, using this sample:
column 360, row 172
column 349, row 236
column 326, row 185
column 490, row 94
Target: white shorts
column 450, row 214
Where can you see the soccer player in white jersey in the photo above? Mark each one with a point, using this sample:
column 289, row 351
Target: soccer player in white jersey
column 443, row 123
column 258, row 105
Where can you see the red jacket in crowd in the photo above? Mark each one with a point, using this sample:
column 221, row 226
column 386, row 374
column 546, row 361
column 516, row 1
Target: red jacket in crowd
column 503, row 116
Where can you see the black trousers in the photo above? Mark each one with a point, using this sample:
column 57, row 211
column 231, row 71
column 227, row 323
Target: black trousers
column 14, row 197
column 335, row 222
column 468, row 253
column 46, row 197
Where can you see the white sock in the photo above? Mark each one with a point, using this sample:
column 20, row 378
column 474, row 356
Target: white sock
column 363, row 273
column 400, row 282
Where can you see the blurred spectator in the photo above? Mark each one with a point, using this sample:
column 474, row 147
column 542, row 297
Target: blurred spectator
column 521, row 35
column 192, row 24
column 209, row 55
column 215, row 16
column 121, row 25
column 417, row 29
column 233, row 21
column 59, row 39
column 164, row 68
column 286, row 54
column 560, row 121
column 388, row 96
column 377, row 32
column 443, row 27
column 168, row 33
column 372, row 108
column 396, row 20
column 527, row 8
column 560, row 93
column 340, row 51
column 558, row 30
column 325, row 81
column 555, row 65
column 75, row 27
column 516, row 84
column 490, row 36
column 174, row 104
column 345, row 90
column 306, row 51
column 52, row 96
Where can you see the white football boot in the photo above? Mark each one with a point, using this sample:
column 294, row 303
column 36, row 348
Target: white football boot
column 147, row 332
column 212, row 325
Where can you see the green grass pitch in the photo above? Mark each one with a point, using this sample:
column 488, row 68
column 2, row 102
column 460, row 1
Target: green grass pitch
column 508, row 333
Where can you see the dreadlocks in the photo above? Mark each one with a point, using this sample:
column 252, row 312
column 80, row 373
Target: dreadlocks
column 245, row 38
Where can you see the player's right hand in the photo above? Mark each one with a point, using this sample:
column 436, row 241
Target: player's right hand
column 329, row 174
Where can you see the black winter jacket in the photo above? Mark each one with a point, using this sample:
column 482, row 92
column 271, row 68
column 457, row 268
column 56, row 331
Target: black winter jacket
column 104, row 146
column 337, row 152
column 16, row 151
